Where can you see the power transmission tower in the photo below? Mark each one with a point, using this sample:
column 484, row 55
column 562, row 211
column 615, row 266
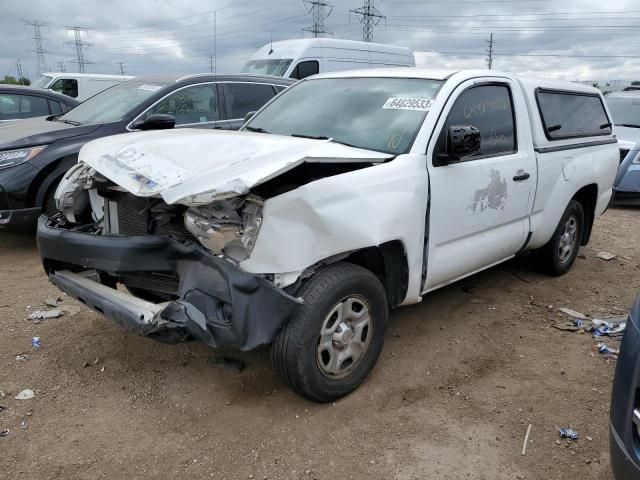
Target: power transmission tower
column 121, row 67
column 490, row 43
column 212, row 59
column 62, row 67
column 319, row 10
column 41, row 64
column 370, row 16
column 79, row 44
column 19, row 69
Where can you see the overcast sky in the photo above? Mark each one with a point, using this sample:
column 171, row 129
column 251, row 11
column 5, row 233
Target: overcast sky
column 573, row 39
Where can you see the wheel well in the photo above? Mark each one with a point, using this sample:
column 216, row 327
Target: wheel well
column 388, row 262
column 587, row 196
column 47, row 177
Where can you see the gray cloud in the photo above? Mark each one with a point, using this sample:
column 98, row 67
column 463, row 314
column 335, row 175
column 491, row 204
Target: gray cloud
column 596, row 40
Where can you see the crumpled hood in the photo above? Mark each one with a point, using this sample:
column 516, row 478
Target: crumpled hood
column 195, row 167
column 38, row 131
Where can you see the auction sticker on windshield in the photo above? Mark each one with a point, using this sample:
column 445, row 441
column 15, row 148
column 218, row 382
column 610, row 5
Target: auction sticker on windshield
column 407, row 103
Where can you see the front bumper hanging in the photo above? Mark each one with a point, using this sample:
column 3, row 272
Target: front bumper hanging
column 217, row 302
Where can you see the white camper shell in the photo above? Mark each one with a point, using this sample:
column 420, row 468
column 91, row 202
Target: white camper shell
column 78, row 85
column 305, row 57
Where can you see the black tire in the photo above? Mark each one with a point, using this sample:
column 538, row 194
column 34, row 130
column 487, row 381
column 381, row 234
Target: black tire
column 49, row 207
column 550, row 257
column 296, row 350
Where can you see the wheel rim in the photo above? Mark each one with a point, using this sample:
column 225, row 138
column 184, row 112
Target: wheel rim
column 345, row 337
column 568, row 239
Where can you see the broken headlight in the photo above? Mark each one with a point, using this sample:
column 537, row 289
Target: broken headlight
column 228, row 227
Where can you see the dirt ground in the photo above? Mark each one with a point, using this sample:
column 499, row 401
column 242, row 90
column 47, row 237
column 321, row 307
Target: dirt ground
column 461, row 377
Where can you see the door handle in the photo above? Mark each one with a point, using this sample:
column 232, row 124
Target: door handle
column 521, row 177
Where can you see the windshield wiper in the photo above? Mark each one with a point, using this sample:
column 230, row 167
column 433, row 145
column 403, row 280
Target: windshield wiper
column 71, row 122
column 630, row 125
column 312, row 137
column 255, row 129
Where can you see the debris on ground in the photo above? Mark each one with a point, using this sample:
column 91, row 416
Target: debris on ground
column 526, row 441
column 573, row 313
column 568, row 433
column 26, row 394
column 52, row 301
column 611, row 327
column 35, row 343
column 4, row 432
column 607, row 351
column 71, row 310
column 22, row 358
column 606, row 256
column 39, row 315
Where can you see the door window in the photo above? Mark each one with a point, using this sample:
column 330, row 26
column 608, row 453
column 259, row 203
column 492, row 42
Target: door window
column 195, row 104
column 488, row 108
column 242, row 98
column 54, row 107
column 22, row 106
column 305, row 69
column 66, row 86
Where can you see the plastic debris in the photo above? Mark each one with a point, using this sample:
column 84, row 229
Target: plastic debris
column 46, row 314
column 22, row 358
column 71, row 310
column 4, row 432
column 608, row 351
column 52, row 301
column 26, row 394
column 526, row 441
column 35, row 343
column 606, row 256
column 568, row 433
column 611, row 327
column 573, row 313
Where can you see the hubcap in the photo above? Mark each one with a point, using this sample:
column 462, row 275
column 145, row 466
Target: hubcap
column 568, row 239
column 345, row 337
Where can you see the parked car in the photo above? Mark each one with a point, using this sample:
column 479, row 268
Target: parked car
column 624, row 428
column 309, row 56
column 78, row 85
column 34, row 154
column 347, row 194
column 18, row 102
column 625, row 112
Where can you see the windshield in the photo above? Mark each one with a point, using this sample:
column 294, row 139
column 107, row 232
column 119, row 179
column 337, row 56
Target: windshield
column 42, row 82
column 625, row 110
column 112, row 104
column 382, row 114
column 275, row 66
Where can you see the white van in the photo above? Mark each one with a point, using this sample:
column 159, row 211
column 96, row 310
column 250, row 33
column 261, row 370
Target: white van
column 302, row 58
column 78, row 85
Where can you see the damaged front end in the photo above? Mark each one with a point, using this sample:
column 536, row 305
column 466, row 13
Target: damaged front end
column 179, row 262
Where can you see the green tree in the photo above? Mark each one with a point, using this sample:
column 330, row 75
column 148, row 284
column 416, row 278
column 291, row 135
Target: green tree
column 8, row 79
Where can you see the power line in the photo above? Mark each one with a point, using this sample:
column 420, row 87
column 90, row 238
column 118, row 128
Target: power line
column 370, row 16
column 490, row 43
column 319, row 10
column 122, row 70
column 79, row 44
column 41, row 65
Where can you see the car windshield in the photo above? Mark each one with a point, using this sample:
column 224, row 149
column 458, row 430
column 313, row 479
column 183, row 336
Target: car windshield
column 113, row 104
column 382, row 114
column 275, row 66
column 625, row 111
column 42, row 82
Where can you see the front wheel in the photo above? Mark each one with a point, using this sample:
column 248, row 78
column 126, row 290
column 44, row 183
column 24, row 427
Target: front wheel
column 333, row 340
column 558, row 255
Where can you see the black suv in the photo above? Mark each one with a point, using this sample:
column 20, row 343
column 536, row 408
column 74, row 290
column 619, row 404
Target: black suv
column 18, row 102
column 35, row 153
column 624, row 429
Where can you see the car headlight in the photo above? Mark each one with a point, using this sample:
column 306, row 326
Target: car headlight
column 11, row 158
column 228, row 227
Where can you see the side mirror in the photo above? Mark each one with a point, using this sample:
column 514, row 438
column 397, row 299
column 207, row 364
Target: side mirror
column 249, row 116
column 462, row 141
column 155, row 121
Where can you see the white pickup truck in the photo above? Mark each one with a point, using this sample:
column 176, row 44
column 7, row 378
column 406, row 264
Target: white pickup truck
column 347, row 194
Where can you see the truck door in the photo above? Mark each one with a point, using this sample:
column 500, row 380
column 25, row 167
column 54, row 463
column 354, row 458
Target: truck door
column 480, row 205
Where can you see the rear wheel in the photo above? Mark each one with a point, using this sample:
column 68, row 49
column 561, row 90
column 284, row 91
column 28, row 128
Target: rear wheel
column 333, row 340
column 558, row 255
